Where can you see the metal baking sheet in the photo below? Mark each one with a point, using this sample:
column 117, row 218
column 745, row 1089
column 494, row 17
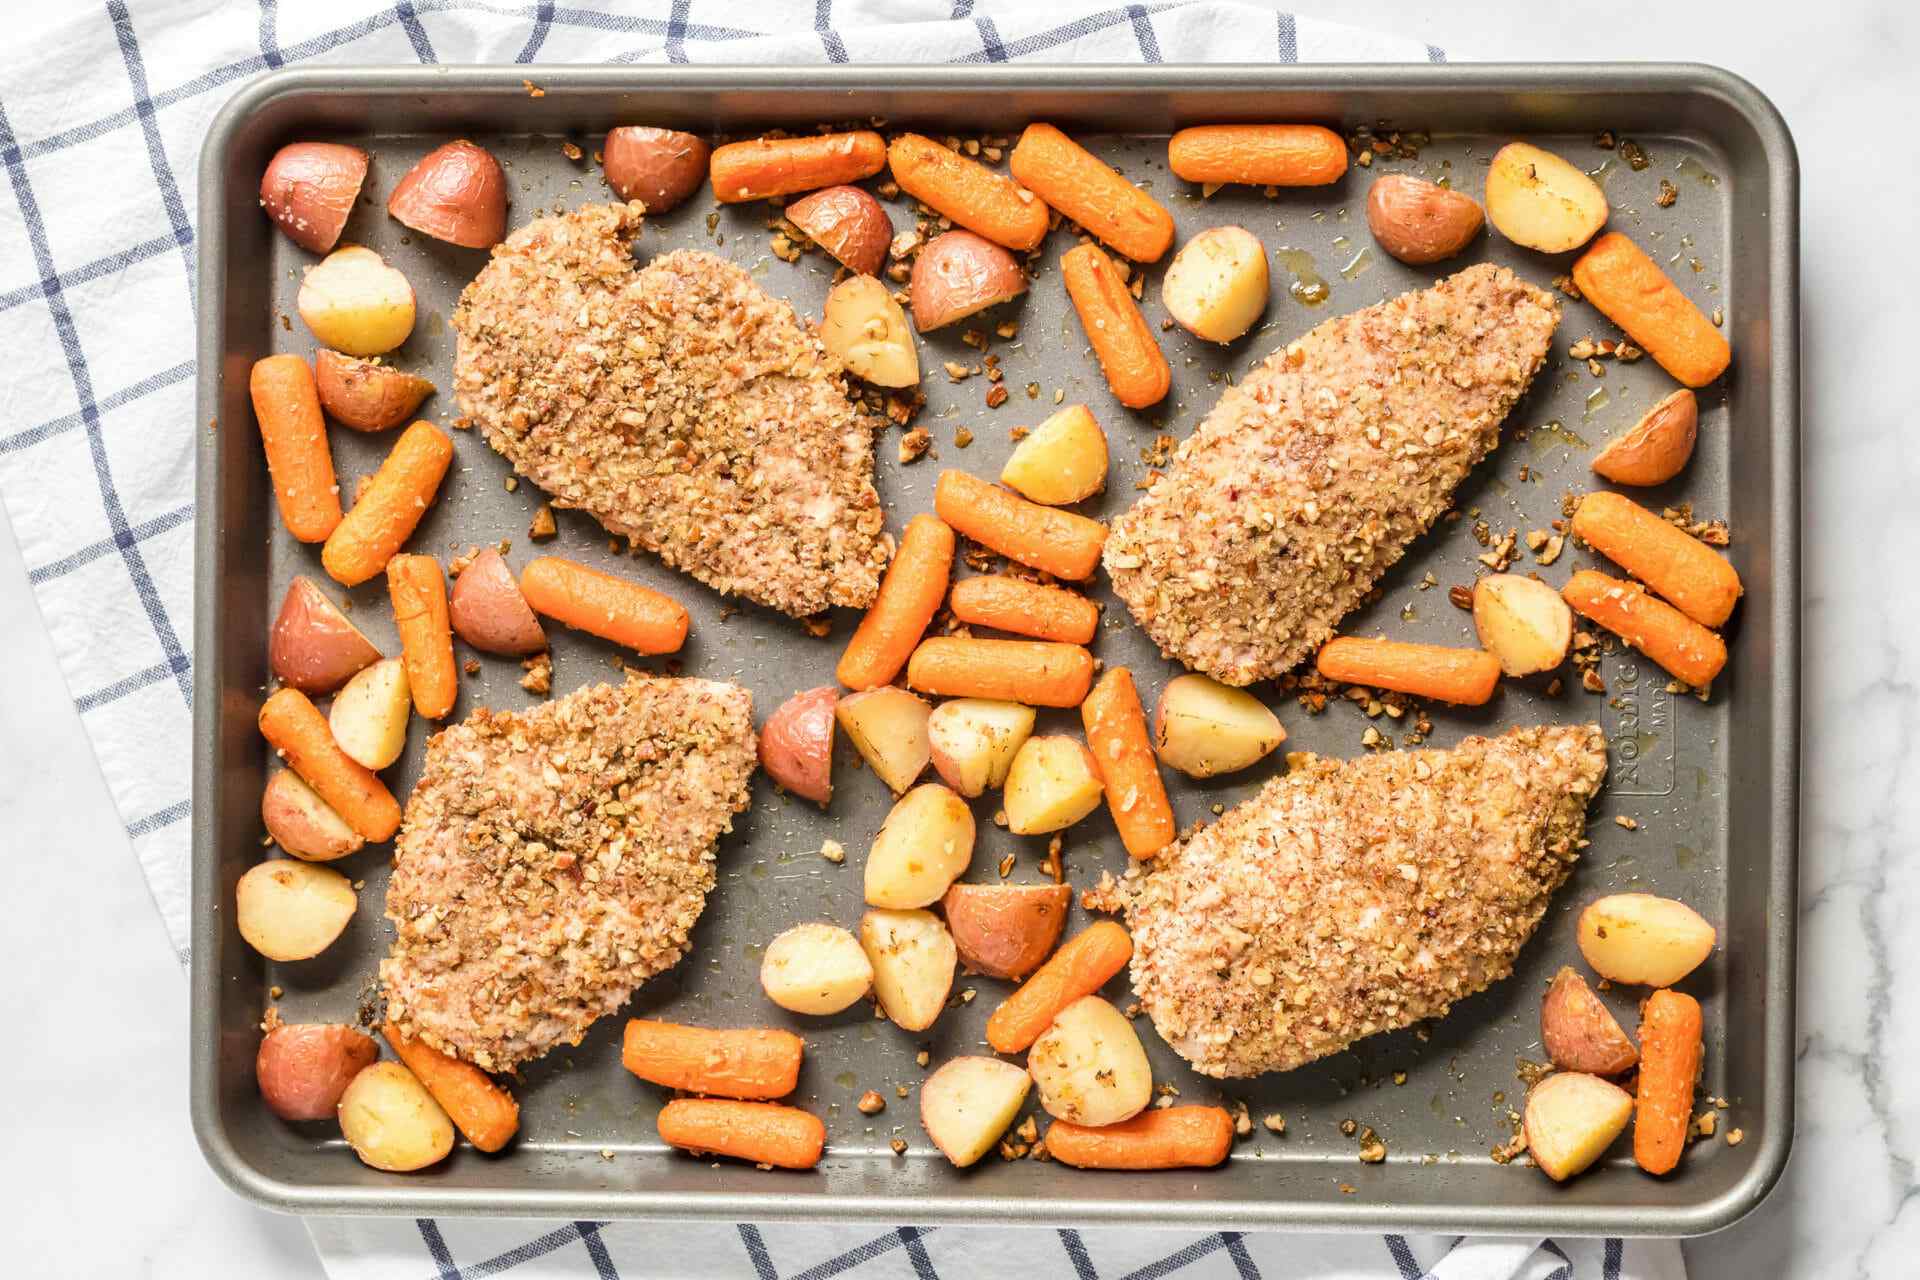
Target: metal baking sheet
column 1712, row 786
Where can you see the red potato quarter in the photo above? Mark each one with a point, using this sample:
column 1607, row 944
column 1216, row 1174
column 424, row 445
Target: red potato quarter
column 366, row 396
column 658, row 167
column 304, row 1068
column 796, row 745
column 848, row 223
column 309, row 189
column 313, row 647
column 959, row 274
column 456, row 193
column 488, row 611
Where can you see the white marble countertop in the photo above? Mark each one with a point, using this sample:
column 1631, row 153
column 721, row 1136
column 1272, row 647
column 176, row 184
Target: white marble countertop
column 92, row 1131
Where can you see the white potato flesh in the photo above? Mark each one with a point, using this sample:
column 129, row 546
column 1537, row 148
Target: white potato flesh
column 1523, row 622
column 1537, row 199
column 867, row 332
column 913, row 960
column 288, row 910
column 815, row 968
column 1203, row 727
column 369, row 716
column 1062, row 460
column 973, row 741
column 968, row 1103
column 1571, row 1119
column 924, row 845
column 392, row 1122
column 1643, row 939
column 1052, row 785
column 888, row 727
column 355, row 303
column 1216, row 286
column 1090, row 1066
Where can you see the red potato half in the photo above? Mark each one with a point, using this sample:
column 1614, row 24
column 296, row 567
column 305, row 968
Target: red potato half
column 848, row 223
column 959, row 274
column 1006, row 930
column 309, row 189
column 302, row 823
column 354, row 302
column 488, row 611
column 457, row 193
column 312, row 646
column 304, row 1068
column 796, row 744
column 364, row 395
column 658, row 167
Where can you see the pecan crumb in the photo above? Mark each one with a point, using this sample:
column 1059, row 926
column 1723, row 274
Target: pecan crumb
column 543, row 525
column 871, row 1103
column 539, row 677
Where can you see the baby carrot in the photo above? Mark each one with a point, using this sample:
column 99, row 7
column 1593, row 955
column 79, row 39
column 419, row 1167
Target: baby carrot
column 762, row 167
column 1123, row 756
column 390, row 507
column 1463, row 676
column 1079, row 968
column 294, row 727
column 763, row 1132
column 1129, row 357
column 1264, row 155
column 603, row 605
column 968, row 192
column 1697, row 581
column 483, row 1111
column 1670, row 1052
column 1682, row 646
column 751, row 1062
column 1025, row 608
column 909, row 597
column 1632, row 291
column 1056, row 542
column 419, row 593
column 1087, row 189
column 286, row 402
column 1165, row 1138
column 1030, row 671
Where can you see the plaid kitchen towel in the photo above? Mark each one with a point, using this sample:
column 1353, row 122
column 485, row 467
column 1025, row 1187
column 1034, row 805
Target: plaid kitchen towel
column 102, row 110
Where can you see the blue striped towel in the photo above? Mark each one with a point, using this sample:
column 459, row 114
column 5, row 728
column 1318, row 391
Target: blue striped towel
column 96, row 474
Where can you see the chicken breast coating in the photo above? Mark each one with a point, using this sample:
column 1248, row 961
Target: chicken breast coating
column 550, row 861
column 1348, row 898
column 679, row 404
column 1309, row 478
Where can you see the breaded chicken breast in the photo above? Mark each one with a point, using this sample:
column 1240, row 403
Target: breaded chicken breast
column 1353, row 897
column 1309, row 478
column 679, row 404
column 550, row 861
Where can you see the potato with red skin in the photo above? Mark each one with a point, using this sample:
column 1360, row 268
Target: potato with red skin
column 488, row 611
column 457, row 193
column 1579, row 1032
column 312, row 646
column 1420, row 222
column 302, row 823
column 1006, row 930
column 366, row 396
column 796, row 744
column 303, row 1068
column 848, row 223
column 959, row 274
column 1657, row 448
column 658, row 167
column 309, row 188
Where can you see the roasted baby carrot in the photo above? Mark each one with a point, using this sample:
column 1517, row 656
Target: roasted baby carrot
column 748, row 1062
column 969, row 193
column 603, row 605
column 1632, row 291
column 1056, row 542
column 1670, row 1051
column 390, row 506
column 909, row 596
column 763, row 1132
column 1264, row 155
column 762, row 167
column 1035, row 672
column 294, row 727
column 1080, row 967
column 419, row 593
column 1686, row 571
column 1025, row 608
column 1129, row 357
column 1123, row 754
column 1463, row 676
column 1682, row 646
column 1164, row 1138
column 1087, row 189
column 286, row 403
column 481, row 1109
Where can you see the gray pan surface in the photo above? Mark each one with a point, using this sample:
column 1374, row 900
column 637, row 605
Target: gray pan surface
column 1712, row 786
